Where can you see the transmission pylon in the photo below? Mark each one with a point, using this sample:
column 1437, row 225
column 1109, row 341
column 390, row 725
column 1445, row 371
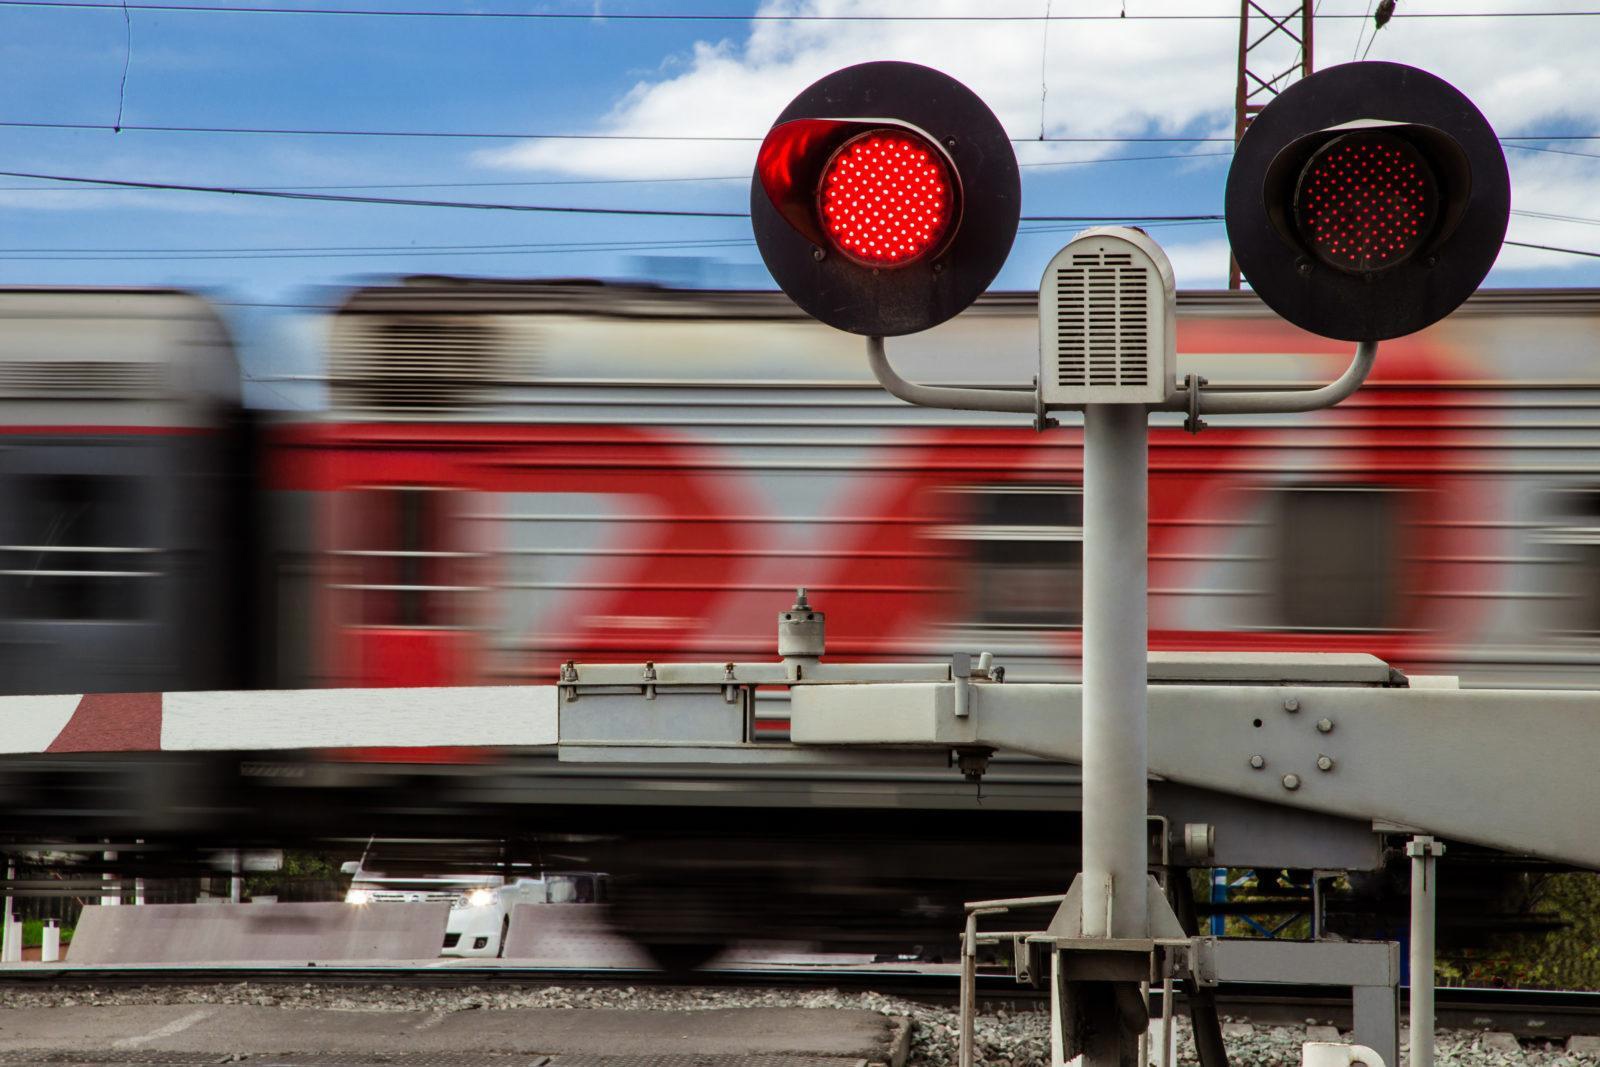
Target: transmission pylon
column 1274, row 51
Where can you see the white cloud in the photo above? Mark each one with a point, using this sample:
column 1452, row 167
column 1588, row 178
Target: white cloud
column 1198, row 264
column 1106, row 78
column 732, row 89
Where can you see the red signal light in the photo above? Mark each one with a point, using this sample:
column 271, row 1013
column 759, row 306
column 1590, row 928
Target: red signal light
column 886, row 198
column 1366, row 202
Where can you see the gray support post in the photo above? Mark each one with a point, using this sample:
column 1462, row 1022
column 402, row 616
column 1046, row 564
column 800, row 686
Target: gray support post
column 9, row 937
column 1376, row 1011
column 1115, row 638
column 1424, row 853
column 111, row 890
column 969, row 991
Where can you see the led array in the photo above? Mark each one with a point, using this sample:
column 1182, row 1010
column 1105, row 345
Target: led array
column 886, row 198
column 1366, row 202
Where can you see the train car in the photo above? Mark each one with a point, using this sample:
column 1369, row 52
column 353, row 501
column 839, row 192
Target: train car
column 120, row 489
column 510, row 474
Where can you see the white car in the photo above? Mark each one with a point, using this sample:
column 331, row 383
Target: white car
column 480, row 906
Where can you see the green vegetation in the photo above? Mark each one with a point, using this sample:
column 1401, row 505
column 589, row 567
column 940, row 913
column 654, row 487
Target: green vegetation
column 304, row 876
column 1564, row 958
column 33, row 933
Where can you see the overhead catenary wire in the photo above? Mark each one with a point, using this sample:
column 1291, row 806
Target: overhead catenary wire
column 540, row 183
column 493, row 135
column 1553, row 248
column 40, row 254
column 472, row 205
column 1153, row 218
column 509, row 135
column 709, row 16
column 348, row 198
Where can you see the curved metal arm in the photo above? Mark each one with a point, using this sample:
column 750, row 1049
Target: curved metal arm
column 1288, row 400
column 1008, row 398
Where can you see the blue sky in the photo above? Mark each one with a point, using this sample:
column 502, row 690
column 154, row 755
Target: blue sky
column 1109, row 79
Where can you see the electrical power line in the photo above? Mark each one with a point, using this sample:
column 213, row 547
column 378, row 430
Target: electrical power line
column 1554, row 151
column 384, row 252
column 598, row 16
column 596, row 181
column 524, row 247
column 487, row 135
column 1553, row 248
column 490, row 135
column 345, row 198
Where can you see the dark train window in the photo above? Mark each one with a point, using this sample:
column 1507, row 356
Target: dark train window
column 1578, row 535
column 1024, row 546
column 1338, row 558
column 404, row 559
column 72, row 551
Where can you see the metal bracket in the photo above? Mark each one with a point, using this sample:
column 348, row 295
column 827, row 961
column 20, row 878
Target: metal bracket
column 1192, row 384
column 1041, row 414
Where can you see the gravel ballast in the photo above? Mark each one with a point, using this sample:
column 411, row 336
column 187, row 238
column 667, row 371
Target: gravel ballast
column 1005, row 1038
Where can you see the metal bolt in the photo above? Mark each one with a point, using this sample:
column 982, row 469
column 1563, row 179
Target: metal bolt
column 1304, row 268
column 818, row 254
column 938, row 268
column 1324, row 726
column 1291, row 782
column 949, row 142
column 1431, row 261
column 1258, row 761
column 1291, row 704
column 1324, row 763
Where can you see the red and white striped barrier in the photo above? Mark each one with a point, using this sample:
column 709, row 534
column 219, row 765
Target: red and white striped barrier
column 476, row 716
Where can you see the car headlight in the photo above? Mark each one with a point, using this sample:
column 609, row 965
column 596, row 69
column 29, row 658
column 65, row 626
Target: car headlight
column 358, row 896
column 476, row 898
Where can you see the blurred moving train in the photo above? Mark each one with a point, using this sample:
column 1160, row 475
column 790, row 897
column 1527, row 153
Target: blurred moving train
column 510, row 474
column 506, row 475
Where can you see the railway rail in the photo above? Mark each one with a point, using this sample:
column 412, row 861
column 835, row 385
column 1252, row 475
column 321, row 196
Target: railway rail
column 1528, row 1013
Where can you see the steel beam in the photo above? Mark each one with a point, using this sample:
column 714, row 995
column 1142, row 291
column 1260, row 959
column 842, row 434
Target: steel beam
column 1508, row 769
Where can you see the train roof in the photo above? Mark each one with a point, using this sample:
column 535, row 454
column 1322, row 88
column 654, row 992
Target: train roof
column 450, row 294
column 73, row 356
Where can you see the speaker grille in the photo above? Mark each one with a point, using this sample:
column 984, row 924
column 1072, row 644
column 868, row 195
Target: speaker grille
column 1102, row 321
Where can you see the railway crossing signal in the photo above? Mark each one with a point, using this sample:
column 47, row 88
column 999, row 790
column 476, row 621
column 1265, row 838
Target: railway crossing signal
column 1364, row 203
column 885, row 198
column 1367, row 201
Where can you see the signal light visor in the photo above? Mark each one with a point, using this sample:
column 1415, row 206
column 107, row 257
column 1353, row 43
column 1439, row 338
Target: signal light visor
column 886, row 198
column 1366, row 202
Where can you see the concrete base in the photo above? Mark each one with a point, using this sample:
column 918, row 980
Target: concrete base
column 569, row 935
column 805, row 1034
column 228, row 933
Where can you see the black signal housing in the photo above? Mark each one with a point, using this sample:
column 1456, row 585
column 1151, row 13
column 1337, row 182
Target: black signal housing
column 947, row 241
column 1415, row 201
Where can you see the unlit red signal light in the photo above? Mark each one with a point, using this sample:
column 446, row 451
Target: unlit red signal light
column 1366, row 202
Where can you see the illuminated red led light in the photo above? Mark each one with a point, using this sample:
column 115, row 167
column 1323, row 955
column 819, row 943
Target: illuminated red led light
column 1366, row 202
column 886, row 198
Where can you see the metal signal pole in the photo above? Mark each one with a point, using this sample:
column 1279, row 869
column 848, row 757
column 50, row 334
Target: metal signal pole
column 1116, row 775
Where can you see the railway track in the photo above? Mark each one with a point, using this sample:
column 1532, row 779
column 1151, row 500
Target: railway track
column 1527, row 1013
